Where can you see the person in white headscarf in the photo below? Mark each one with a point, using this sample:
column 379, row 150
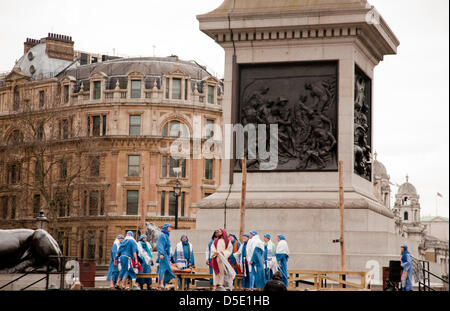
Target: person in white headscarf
column 282, row 254
column 255, row 251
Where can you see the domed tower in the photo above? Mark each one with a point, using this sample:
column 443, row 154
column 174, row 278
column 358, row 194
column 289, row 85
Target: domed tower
column 381, row 184
column 407, row 211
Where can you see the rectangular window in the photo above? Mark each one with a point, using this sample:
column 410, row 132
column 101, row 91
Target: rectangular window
column 93, row 203
column 14, row 174
column 209, row 169
column 210, row 94
column 164, row 167
column 94, row 163
column 63, row 169
column 173, row 164
column 37, row 171
column 65, row 129
column 104, row 126
column 183, row 196
column 183, row 168
column 96, row 126
column 209, row 129
column 91, row 245
column 133, row 165
column 85, row 206
column 176, row 88
column 61, row 205
column 135, row 125
column 135, row 88
column 40, row 132
column 102, row 202
column 167, row 87
column 82, row 245
column 132, row 202
column 41, row 99
column 13, row 207
column 100, row 245
column 66, row 94
column 163, row 202
column 172, row 203
column 4, row 207
column 36, row 204
column 186, row 89
column 97, row 89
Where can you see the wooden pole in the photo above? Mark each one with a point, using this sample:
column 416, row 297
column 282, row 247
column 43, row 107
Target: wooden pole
column 341, row 210
column 243, row 192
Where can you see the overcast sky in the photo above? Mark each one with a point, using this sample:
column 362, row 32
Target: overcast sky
column 411, row 94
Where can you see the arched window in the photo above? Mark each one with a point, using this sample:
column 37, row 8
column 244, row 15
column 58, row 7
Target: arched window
column 405, row 216
column 175, row 129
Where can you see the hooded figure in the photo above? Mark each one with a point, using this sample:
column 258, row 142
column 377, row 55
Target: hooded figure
column 282, row 255
column 128, row 252
column 208, row 255
column 255, row 250
column 165, row 273
column 145, row 259
column 269, row 257
column 183, row 256
column 221, row 249
column 236, row 245
column 113, row 270
column 407, row 269
column 241, row 257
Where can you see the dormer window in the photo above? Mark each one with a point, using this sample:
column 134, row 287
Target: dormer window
column 66, row 94
column 135, row 88
column 176, row 88
column 97, row 89
column 211, row 90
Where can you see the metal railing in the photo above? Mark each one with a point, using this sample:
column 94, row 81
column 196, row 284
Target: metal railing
column 426, row 274
column 60, row 270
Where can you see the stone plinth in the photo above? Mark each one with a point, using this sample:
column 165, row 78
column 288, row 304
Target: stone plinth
column 303, row 203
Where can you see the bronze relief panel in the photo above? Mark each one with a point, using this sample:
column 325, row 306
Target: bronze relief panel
column 301, row 98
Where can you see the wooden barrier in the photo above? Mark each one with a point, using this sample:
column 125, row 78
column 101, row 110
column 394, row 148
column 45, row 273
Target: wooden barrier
column 319, row 279
column 192, row 276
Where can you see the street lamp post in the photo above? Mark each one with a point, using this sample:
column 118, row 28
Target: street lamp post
column 177, row 191
column 41, row 219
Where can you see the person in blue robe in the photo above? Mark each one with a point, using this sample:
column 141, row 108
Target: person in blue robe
column 257, row 274
column 269, row 252
column 208, row 255
column 407, row 269
column 282, row 255
column 145, row 259
column 127, row 256
column 183, row 256
column 113, row 270
column 236, row 245
column 244, row 266
column 165, row 273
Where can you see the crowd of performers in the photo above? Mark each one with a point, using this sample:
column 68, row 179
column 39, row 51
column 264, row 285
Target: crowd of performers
column 261, row 263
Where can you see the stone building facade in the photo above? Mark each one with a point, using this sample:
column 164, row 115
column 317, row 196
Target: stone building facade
column 430, row 232
column 90, row 144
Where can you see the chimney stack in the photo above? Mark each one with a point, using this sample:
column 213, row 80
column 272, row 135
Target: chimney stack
column 28, row 44
column 59, row 46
